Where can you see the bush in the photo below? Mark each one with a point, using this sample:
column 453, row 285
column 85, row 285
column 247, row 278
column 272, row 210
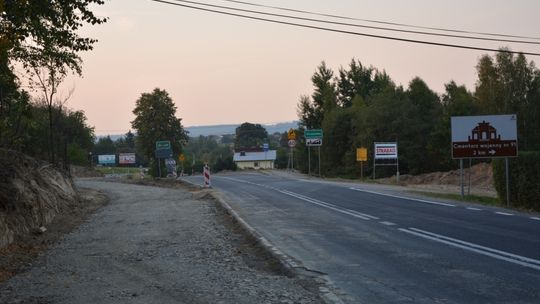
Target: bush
column 524, row 179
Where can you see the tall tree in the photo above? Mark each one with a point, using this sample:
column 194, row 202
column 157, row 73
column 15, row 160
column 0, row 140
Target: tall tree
column 155, row 120
column 508, row 84
column 250, row 135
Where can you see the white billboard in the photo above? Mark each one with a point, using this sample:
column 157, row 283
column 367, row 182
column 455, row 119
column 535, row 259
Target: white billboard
column 107, row 159
column 386, row 151
column 126, row 158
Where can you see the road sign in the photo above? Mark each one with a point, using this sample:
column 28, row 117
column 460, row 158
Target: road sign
column 292, row 143
column 386, row 151
column 313, row 142
column 484, row 136
column 163, row 144
column 265, row 147
column 315, row 133
column 182, row 157
column 163, row 153
column 291, row 135
column 361, row 154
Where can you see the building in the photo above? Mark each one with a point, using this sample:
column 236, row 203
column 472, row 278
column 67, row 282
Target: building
column 255, row 160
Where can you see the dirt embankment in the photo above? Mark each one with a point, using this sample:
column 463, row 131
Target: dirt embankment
column 32, row 193
column 479, row 177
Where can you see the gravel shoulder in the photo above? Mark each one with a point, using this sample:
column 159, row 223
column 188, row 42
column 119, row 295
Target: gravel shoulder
column 156, row 245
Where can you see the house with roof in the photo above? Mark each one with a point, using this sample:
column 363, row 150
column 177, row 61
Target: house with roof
column 255, row 159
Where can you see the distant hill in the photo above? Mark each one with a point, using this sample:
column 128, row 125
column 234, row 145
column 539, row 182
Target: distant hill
column 219, row 130
column 230, row 129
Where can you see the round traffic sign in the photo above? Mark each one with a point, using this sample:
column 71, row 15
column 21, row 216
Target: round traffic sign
column 292, row 143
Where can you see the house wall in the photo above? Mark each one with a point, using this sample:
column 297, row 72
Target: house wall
column 263, row 164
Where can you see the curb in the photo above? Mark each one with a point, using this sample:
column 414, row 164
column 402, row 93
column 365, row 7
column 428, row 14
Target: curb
column 288, row 263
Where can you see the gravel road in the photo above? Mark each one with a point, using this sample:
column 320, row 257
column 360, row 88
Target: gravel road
column 155, row 245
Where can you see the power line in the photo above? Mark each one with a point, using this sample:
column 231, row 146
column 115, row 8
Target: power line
column 350, row 32
column 357, row 25
column 383, row 22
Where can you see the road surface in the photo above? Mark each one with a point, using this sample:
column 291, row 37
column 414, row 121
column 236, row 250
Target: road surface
column 379, row 247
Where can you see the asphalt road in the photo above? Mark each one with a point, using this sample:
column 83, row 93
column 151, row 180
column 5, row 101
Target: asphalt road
column 377, row 246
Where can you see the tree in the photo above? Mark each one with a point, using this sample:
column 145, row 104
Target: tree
column 508, row 84
column 155, row 120
column 43, row 36
column 250, row 135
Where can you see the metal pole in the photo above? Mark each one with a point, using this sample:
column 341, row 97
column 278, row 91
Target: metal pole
column 461, row 183
column 362, row 171
column 470, row 172
column 159, row 167
column 292, row 158
column 319, row 161
column 309, row 160
column 507, row 182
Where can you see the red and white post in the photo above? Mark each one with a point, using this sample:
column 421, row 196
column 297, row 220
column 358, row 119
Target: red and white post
column 206, row 173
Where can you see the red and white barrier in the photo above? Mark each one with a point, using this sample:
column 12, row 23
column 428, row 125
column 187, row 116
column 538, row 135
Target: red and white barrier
column 206, row 173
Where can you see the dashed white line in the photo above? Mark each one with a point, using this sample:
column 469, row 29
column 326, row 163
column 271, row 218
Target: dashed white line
column 535, row 218
column 387, row 223
column 504, row 213
column 474, row 209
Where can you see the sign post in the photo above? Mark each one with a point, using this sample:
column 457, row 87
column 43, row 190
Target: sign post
column 386, row 151
column 361, row 156
column 488, row 136
column 291, row 136
column 163, row 150
column 314, row 138
column 206, row 173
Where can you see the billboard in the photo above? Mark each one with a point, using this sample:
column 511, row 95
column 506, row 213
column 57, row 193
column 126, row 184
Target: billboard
column 107, row 159
column 484, row 136
column 386, row 151
column 126, row 158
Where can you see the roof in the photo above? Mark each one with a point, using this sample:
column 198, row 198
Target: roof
column 255, row 156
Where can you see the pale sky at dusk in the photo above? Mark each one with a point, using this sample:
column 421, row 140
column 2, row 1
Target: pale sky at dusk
column 223, row 69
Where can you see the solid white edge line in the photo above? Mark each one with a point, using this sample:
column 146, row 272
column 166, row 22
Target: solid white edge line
column 535, row 218
column 496, row 256
column 480, row 247
column 404, row 197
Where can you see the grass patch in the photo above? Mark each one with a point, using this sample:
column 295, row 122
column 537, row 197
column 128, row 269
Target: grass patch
column 484, row 200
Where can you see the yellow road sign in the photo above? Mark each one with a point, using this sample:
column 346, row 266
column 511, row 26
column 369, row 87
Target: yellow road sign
column 181, row 157
column 361, row 154
column 291, row 135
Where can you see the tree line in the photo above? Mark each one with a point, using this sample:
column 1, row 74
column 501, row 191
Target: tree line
column 360, row 105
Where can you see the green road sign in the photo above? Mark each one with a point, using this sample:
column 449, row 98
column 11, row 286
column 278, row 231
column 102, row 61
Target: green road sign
column 163, row 145
column 315, row 133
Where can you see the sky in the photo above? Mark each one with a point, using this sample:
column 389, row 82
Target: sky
column 223, row 70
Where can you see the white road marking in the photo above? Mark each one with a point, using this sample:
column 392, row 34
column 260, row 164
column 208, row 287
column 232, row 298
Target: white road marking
column 317, row 202
column 474, row 209
column 494, row 253
column 504, row 213
column 387, row 223
column 535, row 218
column 404, row 197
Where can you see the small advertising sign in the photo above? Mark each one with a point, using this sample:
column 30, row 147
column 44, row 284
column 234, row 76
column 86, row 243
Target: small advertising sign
column 386, row 151
column 126, row 158
column 107, row 159
column 484, row 136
